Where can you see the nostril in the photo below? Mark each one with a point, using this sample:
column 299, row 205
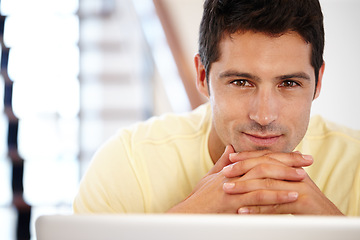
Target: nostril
column 263, row 120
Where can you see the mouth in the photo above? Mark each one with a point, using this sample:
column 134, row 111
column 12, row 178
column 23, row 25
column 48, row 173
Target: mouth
column 263, row 140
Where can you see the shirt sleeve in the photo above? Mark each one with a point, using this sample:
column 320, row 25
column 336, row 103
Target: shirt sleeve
column 110, row 184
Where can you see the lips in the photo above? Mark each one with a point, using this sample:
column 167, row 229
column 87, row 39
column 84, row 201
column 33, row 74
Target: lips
column 263, row 140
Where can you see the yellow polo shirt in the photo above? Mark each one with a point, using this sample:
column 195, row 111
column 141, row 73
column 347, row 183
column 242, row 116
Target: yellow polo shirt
column 336, row 167
column 153, row 165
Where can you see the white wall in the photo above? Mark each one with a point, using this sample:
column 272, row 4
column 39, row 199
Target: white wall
column 340, row 97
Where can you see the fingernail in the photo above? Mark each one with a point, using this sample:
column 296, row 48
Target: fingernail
column 293, row 195
column 227, row 169
column 229, row 185
column 244, row 210
column 232, row 156
column 300, row 171
column 226, row 148
column 307, row 157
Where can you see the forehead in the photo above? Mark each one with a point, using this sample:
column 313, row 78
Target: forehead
column 258, row 51
column 260, row 43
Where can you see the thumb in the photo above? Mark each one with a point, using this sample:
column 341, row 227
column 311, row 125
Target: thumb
column 223, row 160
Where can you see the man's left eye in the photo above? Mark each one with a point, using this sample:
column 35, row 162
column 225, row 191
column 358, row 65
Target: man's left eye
column 289, row 84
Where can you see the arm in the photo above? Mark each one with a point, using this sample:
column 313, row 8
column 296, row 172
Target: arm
column 108, row 180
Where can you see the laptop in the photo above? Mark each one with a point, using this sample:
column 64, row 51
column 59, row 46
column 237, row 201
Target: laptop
column 191, row 227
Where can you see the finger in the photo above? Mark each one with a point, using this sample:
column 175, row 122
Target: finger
column 239, row 156
column 272, row 171
column 293, row 159
column 241, row 187
column 303, row 205
column 267, row 197
column 263, row 167
column 240, row 168
column 286, row 208
column 223, row 160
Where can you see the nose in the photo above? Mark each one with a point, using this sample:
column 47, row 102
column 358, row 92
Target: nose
column 264, row 107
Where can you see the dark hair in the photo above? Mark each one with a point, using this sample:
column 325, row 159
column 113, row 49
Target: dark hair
column 273, row 17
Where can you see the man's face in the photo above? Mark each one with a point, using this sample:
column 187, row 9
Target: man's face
column 260, row 90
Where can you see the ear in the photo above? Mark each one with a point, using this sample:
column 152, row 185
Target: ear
column 201, row 82
column 318, row 87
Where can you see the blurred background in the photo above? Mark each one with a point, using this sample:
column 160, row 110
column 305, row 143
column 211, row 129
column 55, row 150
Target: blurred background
column 75, row 71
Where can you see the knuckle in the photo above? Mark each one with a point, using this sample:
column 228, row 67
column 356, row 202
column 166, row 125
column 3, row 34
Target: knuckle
column 259, row 197
column 240, row 168
column 244, row 186
column 239, row 165
column 268, row 183
column 274, row 208
column 271, row 159
column 266, row 152
column 269, row 209
column 281, row 197
column 242, row 155
column 268, row 157
column 296, row 156
column 262, row 169
column 256, row 210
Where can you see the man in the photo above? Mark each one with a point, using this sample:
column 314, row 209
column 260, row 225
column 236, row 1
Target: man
column 260, row 65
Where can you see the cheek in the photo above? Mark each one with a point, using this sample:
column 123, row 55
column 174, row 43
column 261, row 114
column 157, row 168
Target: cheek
column 228, row 113
column 300, row 109
column 226, row 100
column 297, row 119
column 227, row 107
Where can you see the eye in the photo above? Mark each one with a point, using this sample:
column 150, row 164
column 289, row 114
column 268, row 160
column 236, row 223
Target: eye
column 289, row 84
column 241, row 83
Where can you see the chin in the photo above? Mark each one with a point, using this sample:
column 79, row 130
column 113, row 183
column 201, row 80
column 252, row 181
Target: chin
column 285, row 149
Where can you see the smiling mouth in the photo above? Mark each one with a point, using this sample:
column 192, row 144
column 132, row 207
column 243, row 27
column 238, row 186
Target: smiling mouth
column 263, row 140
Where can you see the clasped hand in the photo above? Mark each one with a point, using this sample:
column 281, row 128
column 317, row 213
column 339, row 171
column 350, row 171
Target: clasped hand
column 258, row 182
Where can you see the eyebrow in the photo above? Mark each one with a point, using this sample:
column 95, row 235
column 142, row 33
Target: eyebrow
column 231, row 73
column 299, row 75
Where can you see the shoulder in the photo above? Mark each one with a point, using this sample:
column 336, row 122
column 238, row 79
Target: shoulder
column 156, row 134
column 157, row 138
column 320, row 128
column 332, row 145
column 169, row 126
column 336, row 150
